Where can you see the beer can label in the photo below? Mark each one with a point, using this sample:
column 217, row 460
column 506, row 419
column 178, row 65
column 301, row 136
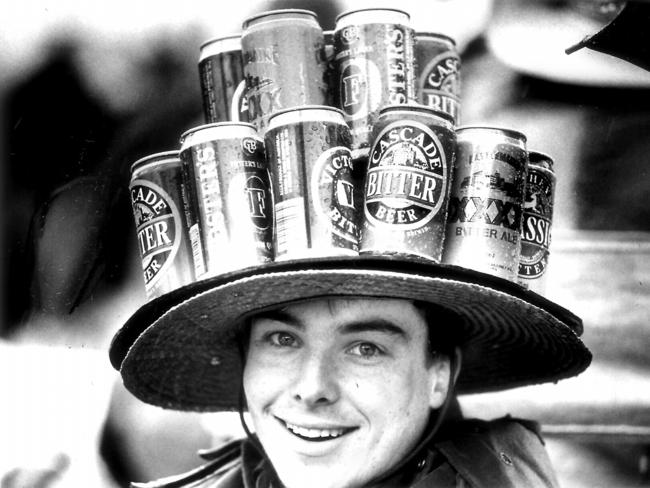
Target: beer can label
column 374, row 66
column 159, row 231
column 406, row 190
column 485, row 209
column 439, row 76
column 536, row 229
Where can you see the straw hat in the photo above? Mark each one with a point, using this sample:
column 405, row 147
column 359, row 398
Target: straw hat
column 181, row 350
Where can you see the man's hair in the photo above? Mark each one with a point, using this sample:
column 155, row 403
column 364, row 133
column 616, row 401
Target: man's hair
column 443, row 326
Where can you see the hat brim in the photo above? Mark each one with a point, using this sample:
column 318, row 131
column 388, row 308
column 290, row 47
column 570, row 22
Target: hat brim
column 181, row 350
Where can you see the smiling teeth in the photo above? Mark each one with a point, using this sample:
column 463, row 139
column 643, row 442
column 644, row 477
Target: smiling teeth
column 314, row 433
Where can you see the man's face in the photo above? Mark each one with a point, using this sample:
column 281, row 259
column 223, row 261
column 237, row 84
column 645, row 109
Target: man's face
column 339, row 391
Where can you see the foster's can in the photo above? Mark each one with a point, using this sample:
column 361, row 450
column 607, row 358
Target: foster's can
column 284, row 63
column 313, row 183
column 538, row 219
column 228, row 199
column 406, row 191
column 374, row 65
column 485, row 209
column 438, row 73
column 156, row 197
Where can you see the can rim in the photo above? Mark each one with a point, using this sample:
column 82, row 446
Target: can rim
column 436, row 35
column 541, row 155
column 247, row 22
column 496, row 128
column 386, row 9
column 212, row 125
column 304, row 109
column 214, row 40
column 151, row 158
column 418, row 107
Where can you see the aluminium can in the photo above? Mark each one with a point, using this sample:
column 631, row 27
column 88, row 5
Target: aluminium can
column 228, row 198
column 156, row 190
column 312, row 172
column 374, row 67
column 537, row 222
column 407, row 184
column 221, row 75
column 485, row 208
column 284, row 63
column 438, row 73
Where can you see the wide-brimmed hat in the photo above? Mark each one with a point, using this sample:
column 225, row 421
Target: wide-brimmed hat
column 182, row 349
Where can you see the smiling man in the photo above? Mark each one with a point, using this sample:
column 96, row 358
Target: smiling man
column 350, row 369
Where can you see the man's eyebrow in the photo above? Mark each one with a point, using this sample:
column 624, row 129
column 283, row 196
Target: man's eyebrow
column 280, row 316
column 373, row 325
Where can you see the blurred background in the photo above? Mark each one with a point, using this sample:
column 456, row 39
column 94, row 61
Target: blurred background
column 87, row 88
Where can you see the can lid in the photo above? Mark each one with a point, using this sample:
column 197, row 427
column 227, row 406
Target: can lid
column 375, row 15
column 213, row 125
column 515, row 134
column 435, row 35
column 164, row 157
column 218, row 45
column 540, row 158
column 285, row 12
column 417, row 107
column 324, row 113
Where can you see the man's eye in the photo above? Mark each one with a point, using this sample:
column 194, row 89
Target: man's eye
column 282, row 339
column 365, row 350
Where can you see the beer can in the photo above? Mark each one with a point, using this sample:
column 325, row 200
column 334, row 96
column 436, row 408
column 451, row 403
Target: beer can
column 284, row 63
column 228, row 199
column 156, row 197
column 222, row 80
column 438, row 73
column 485, row 208
column 407, row 184
column 311, row 165
column 537, row 222
column 374, row 66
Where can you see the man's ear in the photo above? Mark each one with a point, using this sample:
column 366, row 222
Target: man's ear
column 440, row 373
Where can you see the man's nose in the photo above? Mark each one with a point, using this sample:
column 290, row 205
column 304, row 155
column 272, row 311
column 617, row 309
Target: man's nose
column 315, row 380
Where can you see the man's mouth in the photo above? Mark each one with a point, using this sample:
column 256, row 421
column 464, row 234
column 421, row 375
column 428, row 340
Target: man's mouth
column 316, row 434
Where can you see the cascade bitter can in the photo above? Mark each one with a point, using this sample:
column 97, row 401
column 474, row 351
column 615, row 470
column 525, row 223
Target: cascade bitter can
column 309, row 155
column 438, row 73
column 407, row 183
column 228, row 197
column 284, row 63
column 221, row 75
column 538, row 220
column 374, row 66
column 485, row 208
column 156, row 197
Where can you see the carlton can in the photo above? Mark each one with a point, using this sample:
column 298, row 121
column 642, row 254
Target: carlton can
column 485, row 208
column 406, row 191
column 538, row 219
column 438, row 73
column 374, row 66
column 228, row 200
column 284, row 63
column 156, row 196
column 313, row 183
column 222, row 80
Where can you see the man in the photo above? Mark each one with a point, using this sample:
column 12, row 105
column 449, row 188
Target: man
column 347, row 367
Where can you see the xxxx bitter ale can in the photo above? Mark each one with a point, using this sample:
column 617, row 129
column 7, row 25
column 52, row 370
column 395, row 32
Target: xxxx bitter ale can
column 311, row 164
column 406, row 191
column 156, row 197
column 222, row 80
column 538, row 219
column 228, row 199
column 284, row 63
column 438, row 73
column 374, row 67
column 485, row 209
